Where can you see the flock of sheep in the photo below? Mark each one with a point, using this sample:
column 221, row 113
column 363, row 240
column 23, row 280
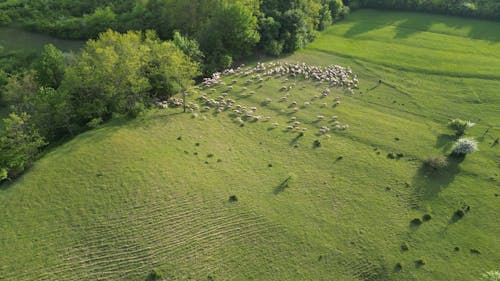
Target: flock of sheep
column 330, row 77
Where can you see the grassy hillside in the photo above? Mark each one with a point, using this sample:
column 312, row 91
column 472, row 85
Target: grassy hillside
column 153, row 193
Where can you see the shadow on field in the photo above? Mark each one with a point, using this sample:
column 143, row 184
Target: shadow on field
column 296, row 139
column 361, row 27
column 411, row 26
column 282, row 186
column 429, row 182
column 408, row 24
column 445, row 141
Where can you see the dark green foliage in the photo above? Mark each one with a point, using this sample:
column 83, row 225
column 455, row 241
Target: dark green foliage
column 426, row 217
column 233, row 198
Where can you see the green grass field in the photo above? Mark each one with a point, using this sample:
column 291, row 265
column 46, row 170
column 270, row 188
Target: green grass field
column 152, row 193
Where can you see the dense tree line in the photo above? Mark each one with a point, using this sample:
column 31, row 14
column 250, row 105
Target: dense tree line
column 63, row 94
column 489, row 9
column 226, row 30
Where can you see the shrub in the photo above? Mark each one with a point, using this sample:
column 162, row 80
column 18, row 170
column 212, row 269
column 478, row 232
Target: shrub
column 137, row 109
column 426, row 217
column 416, row 222
column 436, row 162
column 316, row 143
column 490, row 276
column 459, row 126
column 155, row 274
column 420, row 262
column 94, row 123
column 3, row 174
column 233, row 198
column 465, row 146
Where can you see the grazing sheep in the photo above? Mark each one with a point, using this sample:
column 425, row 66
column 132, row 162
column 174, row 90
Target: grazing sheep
column 276, row 124
column 324, row 104
column 320, row 117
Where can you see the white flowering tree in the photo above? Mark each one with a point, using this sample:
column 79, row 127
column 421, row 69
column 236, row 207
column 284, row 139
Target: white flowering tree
column 465, row 146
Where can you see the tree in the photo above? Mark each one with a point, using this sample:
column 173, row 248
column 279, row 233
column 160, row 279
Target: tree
column 188, row 46
column 50, row 67
column 118, row 72
column 231, row 34
column 465, row 146
column 19, row 145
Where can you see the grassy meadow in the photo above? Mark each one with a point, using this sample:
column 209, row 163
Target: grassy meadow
column 152, row 193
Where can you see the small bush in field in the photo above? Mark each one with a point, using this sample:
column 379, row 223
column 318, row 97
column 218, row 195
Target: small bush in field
column 459, row 126
column 465, row 146
column 436, row 162
column 94, row 123
column 156, row 274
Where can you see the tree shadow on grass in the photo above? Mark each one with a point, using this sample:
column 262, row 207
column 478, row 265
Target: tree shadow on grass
column 282, row 186
column 445, row 141
column 296, row 139
column 361, row 27
column 429, row 182
column 411, row 26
